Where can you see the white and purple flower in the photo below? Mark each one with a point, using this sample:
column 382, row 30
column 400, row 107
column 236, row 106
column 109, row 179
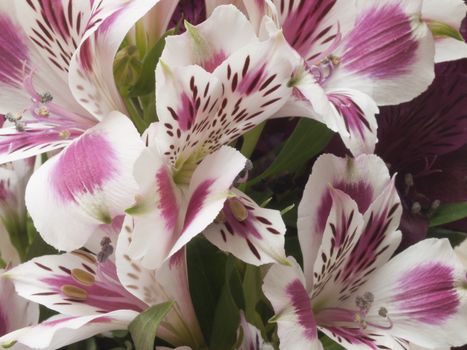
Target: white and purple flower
column 351, row 289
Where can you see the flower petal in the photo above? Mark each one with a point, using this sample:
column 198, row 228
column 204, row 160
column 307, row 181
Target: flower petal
column 251, row 233
column 15, row 312
column 203, row 113
column 156, row 211
column 205, row 44
column 60, row 331
column 88, row 184
column 73, row 284
column 209, row 188
column 284, row 286
column 422, row 294
column 91, row 70
column 380, row 60
column 362, row 178
column 451, row 13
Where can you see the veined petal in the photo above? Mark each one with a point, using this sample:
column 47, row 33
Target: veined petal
column 168, row 283
column 74, row 284
column 205, row 44
column 251, row 233
column 36, row 56
column 422, row 294
column 33, row 140
column 88, row 184
column 15, row 312
column 378, row 61
column 353, row 252
column 362, row 178
column 91, row 69
column 354, row 113
column 449, row 14
column 313, row 27
column 209, row 188
column 340, row 236
column 208, row 111
column 60, row 331
column 284, row 286
column 55, row 28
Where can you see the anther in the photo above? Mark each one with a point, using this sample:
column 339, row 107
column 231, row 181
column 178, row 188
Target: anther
column 83, row 277
column 74, row 292
column 383, row 312
column 408, row 180
column 238, row 210
column 43, row 111
column 106, row 249
column 416, row 208
column 434, row 206
column 64, row 134
column 46, row 97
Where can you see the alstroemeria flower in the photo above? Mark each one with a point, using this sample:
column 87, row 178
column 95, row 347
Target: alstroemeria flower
column 209, row 92
column 15, row 312
column 39, row 41
column 351, row 289
column 445, row 20
column 429, row 156
column 357, row 55
column 13, row 217
column 94, row 295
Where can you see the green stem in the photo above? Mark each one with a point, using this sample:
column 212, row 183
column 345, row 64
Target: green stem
column 134, row 115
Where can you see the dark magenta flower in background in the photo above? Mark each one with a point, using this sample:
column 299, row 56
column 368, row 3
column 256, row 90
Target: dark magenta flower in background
column 425, row 142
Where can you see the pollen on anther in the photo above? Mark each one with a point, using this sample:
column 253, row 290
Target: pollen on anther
column 239, row 211
column 74, row 292
column 83, row 277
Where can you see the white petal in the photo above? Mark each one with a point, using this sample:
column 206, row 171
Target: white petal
column 73, row 284
column 251, row 233
column 284, row 286
column 60, row 331
column 88, row 184
column 362, row 178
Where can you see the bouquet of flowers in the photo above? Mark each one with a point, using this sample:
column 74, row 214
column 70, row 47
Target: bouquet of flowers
column 244, row 174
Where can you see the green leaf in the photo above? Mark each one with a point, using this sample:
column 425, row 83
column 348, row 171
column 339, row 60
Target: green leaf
column 455, row 237
column 227, row 316
column 144, row 327
column 206, row 273
column 448, row 212
column 252, row 282
column 307, row 140
column 146, row 82
column 440, row 29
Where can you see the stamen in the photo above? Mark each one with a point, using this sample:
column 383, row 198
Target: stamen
column 43, row 111
column 83, row 277
column 408, row 180
column 106, row 250
column 433, row 207
column 416, row 208
column 238, row 210
column 74, row 292
column 64, row 134
column 46, row 97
